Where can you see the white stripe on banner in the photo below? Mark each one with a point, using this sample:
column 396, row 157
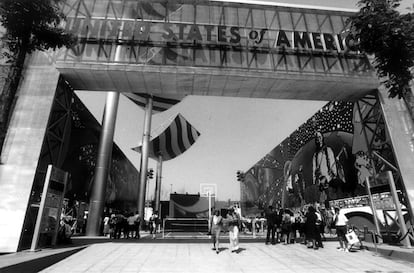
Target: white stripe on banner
column 163, row 146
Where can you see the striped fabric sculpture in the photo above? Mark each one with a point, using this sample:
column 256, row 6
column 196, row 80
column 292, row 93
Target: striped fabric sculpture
column 171, row 140
column 159, row 104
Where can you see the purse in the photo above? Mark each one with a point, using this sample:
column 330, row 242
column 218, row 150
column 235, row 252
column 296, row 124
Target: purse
column 351, row 237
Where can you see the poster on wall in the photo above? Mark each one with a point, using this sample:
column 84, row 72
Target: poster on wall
column 324, row 159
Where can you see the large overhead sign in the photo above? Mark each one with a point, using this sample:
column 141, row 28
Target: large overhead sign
column 192, row 35
column 213, row 34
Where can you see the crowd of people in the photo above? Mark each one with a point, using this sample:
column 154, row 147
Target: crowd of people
column 127, row 225
column 307, row 225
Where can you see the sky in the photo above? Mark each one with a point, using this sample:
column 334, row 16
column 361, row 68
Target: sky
column 235, row 132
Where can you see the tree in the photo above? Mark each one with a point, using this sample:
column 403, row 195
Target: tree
column 382, row 31
column 29, row 25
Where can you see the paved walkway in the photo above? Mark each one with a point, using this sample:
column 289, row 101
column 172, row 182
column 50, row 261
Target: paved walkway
column 199, row 257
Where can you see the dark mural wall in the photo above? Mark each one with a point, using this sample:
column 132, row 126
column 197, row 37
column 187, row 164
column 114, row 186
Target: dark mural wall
column 299, row 171
column 122, row 184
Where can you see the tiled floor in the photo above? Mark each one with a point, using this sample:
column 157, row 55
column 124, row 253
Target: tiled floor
column 199, row 257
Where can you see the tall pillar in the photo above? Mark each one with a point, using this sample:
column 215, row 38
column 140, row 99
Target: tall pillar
column 144, row 158
column 97, row 201
column 400, row 127
column 158, row 184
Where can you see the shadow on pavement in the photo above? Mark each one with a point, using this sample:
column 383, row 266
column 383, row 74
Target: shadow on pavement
column 36, row 265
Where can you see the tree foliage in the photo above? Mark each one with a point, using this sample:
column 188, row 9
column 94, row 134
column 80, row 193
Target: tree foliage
column 29, row 25
column 32, row 25
column 382, row 31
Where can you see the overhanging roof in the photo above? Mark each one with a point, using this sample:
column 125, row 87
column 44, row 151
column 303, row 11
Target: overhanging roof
column 154, row 79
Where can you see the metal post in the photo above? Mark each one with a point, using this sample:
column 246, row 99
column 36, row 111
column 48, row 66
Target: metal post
column 103, row 163
column 403, row 227
column 209, row 209
column 144, row 159
column 374, row 213
column 158, row 184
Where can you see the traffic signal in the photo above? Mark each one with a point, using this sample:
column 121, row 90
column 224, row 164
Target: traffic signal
column 150, row 173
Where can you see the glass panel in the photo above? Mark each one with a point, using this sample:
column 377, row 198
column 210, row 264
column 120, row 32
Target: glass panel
column 215, row 58
column 155, row 55
column 235, row 59
column 203, row 14
column 306, row 64
column 105, row 51
column 202, row 57
column 337, row 24
column 292, row 63
column 299, row 21
column 259, row 18
column 91, row 52
column 243, row 16
column 187, row 13
column 174, row 13
column 279, row 61
column 115, row 9
column 311, row 22
column 272, row 38
column 232, row 18
column 185, row 56
column 334, row 65
column 215, row 15
column 272, row 19
column 170, row 55
column 319, row 63
column 264, row 61
column 131, row 10
column 324, row 24
column 285, row 21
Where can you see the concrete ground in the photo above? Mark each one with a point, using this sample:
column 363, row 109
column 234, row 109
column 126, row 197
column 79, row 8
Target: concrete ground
column 200, row 257
column 195, row 254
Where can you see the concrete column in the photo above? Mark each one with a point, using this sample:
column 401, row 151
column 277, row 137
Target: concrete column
column 158, row 184
column 23, row 145
column 103, row 163
column 400, row 127
column 144, row 159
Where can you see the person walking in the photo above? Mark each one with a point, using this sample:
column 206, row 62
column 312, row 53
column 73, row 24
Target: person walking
column 341, row 223
column 233, row 223
column 311, row 230
column 286, row 226
column 131, row 225
column 320, row 227
column 137, row 224
column 154, row 224
column 271, row 215
column 215, row 229
column 106, row 226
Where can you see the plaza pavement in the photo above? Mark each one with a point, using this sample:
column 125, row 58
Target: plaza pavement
column 163, row 256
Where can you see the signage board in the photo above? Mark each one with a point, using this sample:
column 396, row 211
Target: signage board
column 48, row 218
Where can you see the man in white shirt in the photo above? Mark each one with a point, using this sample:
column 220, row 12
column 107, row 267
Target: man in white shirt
column 341, row 223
